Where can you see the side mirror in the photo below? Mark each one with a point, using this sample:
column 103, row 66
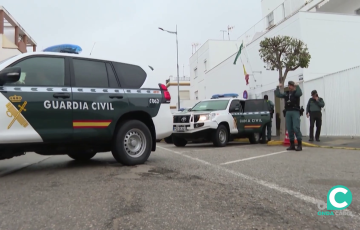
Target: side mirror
column 10, row 75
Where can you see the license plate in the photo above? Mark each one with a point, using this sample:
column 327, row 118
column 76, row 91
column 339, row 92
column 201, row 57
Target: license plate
column 180, row 128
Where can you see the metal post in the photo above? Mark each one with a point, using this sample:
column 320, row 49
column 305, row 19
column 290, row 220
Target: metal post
column 177, row 64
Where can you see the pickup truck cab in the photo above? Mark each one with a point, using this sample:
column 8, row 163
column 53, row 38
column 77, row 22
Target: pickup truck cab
column 220, row 120
column 56, row 103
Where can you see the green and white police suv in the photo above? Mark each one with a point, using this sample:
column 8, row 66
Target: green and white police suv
column 221, row 119
column 61, row 103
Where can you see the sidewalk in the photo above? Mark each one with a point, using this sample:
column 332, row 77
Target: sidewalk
column 327, row 142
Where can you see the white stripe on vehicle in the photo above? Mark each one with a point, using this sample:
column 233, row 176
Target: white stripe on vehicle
column 78, row 90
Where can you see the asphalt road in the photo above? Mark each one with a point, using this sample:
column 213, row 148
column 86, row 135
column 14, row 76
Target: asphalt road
column 196, row 187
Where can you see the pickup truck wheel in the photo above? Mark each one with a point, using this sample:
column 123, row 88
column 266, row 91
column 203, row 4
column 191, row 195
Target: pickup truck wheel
column 168, row 140
column 178, row 142
column 254, row 138
column 220, row 136
column 132, row 143
column 82, row 155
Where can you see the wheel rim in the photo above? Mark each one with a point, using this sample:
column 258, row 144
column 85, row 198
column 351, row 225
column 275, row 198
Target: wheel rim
column 222, row 136
column 135, row 143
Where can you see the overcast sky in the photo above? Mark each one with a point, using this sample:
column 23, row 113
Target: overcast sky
column 128, row 31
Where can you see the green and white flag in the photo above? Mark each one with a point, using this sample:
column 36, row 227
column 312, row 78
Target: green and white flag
column 238, row 54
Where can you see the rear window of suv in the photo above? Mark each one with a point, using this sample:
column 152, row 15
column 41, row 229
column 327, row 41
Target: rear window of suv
column 255, row 105
column 130, row 76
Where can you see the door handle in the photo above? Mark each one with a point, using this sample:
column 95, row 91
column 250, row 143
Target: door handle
column 61, row 95
column 116, row 96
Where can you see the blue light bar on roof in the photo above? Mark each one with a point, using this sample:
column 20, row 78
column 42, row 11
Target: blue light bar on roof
column 64, row 48
column 234, row 95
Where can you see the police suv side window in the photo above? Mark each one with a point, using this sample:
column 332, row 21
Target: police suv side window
column 234, row 104
column 130, row 76
column 89, row 73
column 41, row 71
column 112, row 78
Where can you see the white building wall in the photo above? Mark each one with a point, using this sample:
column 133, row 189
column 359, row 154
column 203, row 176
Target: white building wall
column 331, row 39
column 9, row 32
column 340, row 116
column 6, row 53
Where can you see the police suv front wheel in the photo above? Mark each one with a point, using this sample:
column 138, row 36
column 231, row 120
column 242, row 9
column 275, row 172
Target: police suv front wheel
column 132, row 143
column 220, row 136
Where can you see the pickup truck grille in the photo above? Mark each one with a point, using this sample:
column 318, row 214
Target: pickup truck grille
column 182, row 119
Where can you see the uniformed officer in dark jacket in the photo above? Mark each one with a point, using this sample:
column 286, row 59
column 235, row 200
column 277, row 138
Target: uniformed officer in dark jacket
column 313, row 109
column 268, row 126
column 292, row 110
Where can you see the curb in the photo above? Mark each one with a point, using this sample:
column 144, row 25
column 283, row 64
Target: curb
column 243, row 140
column 274, row 143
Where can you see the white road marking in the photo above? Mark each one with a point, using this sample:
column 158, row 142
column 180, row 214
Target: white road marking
column 251, row 158
column 276, row 187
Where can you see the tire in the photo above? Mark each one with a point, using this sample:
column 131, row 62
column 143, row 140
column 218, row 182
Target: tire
column 220, row 137
column 168, row 140
column 82, row 155
column 178, row 142
column 132, row 143
column 254, row 138
column 159, row 140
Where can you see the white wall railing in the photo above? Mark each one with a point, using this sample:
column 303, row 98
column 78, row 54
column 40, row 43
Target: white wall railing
column 277, row 16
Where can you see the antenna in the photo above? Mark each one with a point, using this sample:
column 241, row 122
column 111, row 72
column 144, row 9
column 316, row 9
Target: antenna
column 223, row 31
column 194, row 45
column 92, row 48
column 230, row 28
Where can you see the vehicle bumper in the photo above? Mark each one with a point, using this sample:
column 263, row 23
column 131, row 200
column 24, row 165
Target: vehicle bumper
column 163, row 122
column 194, row 127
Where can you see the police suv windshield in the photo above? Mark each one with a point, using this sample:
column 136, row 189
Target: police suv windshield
column 211, row 105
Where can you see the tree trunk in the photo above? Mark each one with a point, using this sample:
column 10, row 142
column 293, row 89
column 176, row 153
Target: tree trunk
column 282, row 118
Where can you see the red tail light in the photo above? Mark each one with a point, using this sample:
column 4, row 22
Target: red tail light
column 166, row 92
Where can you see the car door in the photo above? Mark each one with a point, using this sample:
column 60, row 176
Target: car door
column 235, row 111
column 37, row 108
column 98, row 101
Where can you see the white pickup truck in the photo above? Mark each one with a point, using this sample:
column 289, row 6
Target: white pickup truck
column 220, row 120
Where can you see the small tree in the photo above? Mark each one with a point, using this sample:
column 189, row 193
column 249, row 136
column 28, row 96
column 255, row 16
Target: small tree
column 284, row 54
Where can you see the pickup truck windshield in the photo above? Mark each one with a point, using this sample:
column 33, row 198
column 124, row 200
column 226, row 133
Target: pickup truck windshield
column 211, row 105
column 255, row 105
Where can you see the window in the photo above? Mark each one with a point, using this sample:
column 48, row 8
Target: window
column 196, row 74
column 234, row 104
column 90, row 74
column 112, row 79
column 41, row 71
column 255, row 105
column 211, row 105
column 270, row 18
column 196, row 95
column 130, row 76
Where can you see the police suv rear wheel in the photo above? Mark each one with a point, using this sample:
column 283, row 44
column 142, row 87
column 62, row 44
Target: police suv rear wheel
column 132, row 143
column 220, row 136
column 82, row 155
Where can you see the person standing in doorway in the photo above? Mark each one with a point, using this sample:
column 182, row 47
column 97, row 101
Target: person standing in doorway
column 292, row 113
column 313, row 110
column 268, row 126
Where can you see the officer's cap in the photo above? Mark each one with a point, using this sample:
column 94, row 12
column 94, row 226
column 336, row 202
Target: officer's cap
column 313, row 92
column 291, row 83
